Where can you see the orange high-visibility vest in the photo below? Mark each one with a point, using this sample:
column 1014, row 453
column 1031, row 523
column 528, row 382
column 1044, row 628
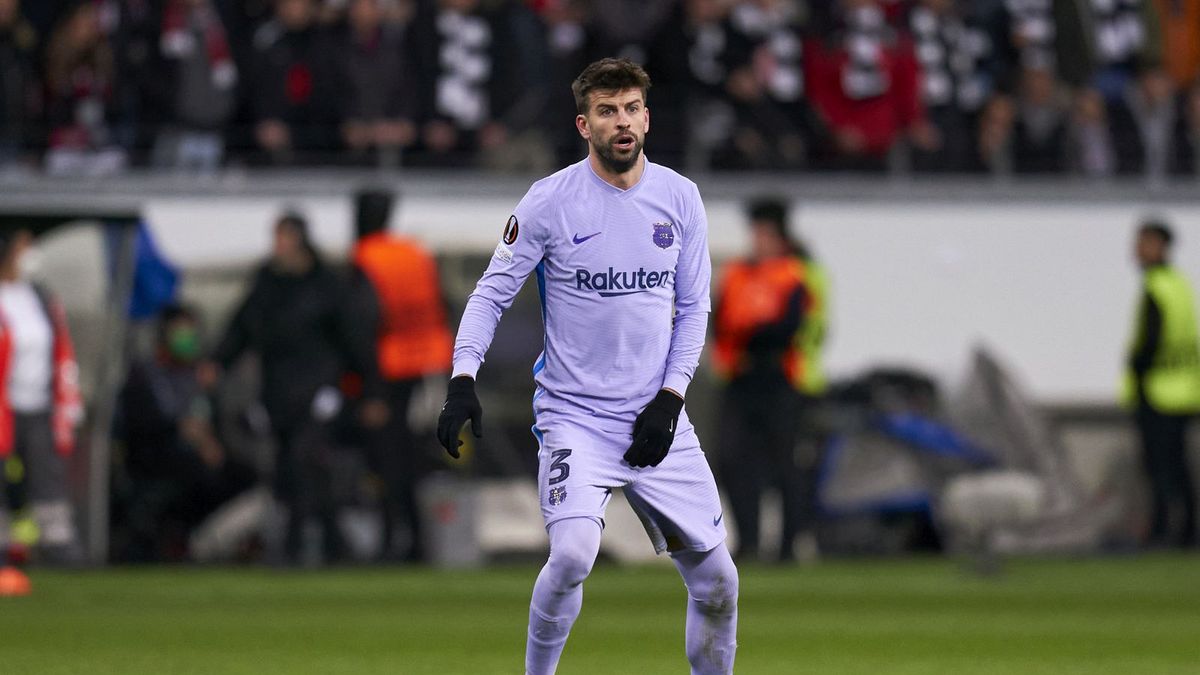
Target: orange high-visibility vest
column 414, row 339
column 753, row 295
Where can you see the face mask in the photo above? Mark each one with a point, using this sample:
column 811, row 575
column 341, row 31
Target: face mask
column 183, row 344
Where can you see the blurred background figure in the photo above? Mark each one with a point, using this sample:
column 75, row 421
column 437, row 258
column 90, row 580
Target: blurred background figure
column 774, row 125
column 40, row 406
column 1163, row 385
column 656, row 40
column 196, row 87
column 478, row 61
column 1092, row 151
column 955, row 54
column 1111, row 53
column 769, row 327
column 564, row 31
column 177, row 470
column 380, row 98
column 298, row 319
column 1041, row 122
column 1180, row 21
column 413, row 342
column 863, row 79
column 293, row 85
column 81, row 83
column 18, row 83
column 96, row 86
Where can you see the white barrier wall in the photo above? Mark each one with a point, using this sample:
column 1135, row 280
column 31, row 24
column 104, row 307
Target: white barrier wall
column 1050, row 286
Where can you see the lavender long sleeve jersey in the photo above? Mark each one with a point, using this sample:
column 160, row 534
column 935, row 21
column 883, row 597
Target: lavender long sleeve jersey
column 624, row 282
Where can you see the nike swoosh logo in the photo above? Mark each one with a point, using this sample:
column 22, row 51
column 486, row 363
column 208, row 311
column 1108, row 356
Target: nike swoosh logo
column 579, row 240
column 717, row 520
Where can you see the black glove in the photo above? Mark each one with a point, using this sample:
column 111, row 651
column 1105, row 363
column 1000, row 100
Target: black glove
column 461, row 405
column 654, row 430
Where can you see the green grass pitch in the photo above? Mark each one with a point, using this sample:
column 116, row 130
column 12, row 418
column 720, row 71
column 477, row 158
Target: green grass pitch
column 1124, row 615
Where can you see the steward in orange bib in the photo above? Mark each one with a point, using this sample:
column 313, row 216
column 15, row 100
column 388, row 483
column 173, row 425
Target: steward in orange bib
column 413, row 341
column 769, row 323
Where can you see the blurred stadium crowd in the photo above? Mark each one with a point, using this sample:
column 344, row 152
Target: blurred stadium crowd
column 1092, row 87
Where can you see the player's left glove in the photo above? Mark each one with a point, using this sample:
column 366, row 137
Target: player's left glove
column 654, row 430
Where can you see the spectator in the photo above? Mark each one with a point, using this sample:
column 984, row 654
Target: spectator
column 1028, row 135
column 1024, row 34
column 1092, row 150
column 1114, row 49
column 568, row 44
column 1039, row 143
column 1152, row 104
column 197, row 85
column 178, row 469
column 80, row 86
column 774, row 125
column 954, row 53
column 414, row 342
column 1162, row 384
column 769, row 324
column 477, row 64
column 1190, row 129
column 293, row 97
column 298, row 320
column 710, row 116
column 1179, row 21
column 39, row 407
column 863, row 80
column 17, row 84
column 380, row 97
column 653, row 41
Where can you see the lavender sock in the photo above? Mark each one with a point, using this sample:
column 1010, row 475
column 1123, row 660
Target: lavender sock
column 712, row 583
column 558, row 592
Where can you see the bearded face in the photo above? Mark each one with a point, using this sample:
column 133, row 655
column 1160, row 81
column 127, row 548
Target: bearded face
column 615, row 127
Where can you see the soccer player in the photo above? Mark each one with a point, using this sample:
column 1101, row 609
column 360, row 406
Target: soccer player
column 620, row 249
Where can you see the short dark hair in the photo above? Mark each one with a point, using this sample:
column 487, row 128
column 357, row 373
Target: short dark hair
column 608, row 75
column 774, row 212
column 372, row 208
column 769, row 209
column 1158, row 228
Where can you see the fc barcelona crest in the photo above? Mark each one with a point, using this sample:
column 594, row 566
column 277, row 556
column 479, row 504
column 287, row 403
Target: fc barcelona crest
column 558, row 495
column 663, row 235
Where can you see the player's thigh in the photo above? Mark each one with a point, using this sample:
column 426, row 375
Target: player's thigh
column 678, row 500
column 576, row 470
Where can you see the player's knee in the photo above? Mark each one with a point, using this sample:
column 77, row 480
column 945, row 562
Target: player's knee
column 717, row 596
column 572, row 565
column 713, row 584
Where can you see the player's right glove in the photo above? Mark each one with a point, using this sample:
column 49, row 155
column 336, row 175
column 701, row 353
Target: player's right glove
column 461, row 405
column 654, row 429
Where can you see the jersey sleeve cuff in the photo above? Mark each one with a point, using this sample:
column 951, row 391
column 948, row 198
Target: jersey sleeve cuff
column 677, row 382
column 466, row 366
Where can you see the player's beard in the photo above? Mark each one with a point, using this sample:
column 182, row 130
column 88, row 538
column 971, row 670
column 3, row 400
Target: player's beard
column 614, row 162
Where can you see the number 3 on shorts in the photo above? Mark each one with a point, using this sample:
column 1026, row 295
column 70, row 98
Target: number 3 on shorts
column 559, row 469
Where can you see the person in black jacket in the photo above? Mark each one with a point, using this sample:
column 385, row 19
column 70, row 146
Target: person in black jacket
column 18, row 43
column 299, row 319
column 293, row 92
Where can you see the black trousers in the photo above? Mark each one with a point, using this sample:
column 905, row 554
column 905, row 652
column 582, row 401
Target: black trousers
column 393, row 454
column 760, row 428
column 1164, row 454
column 303, row 484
